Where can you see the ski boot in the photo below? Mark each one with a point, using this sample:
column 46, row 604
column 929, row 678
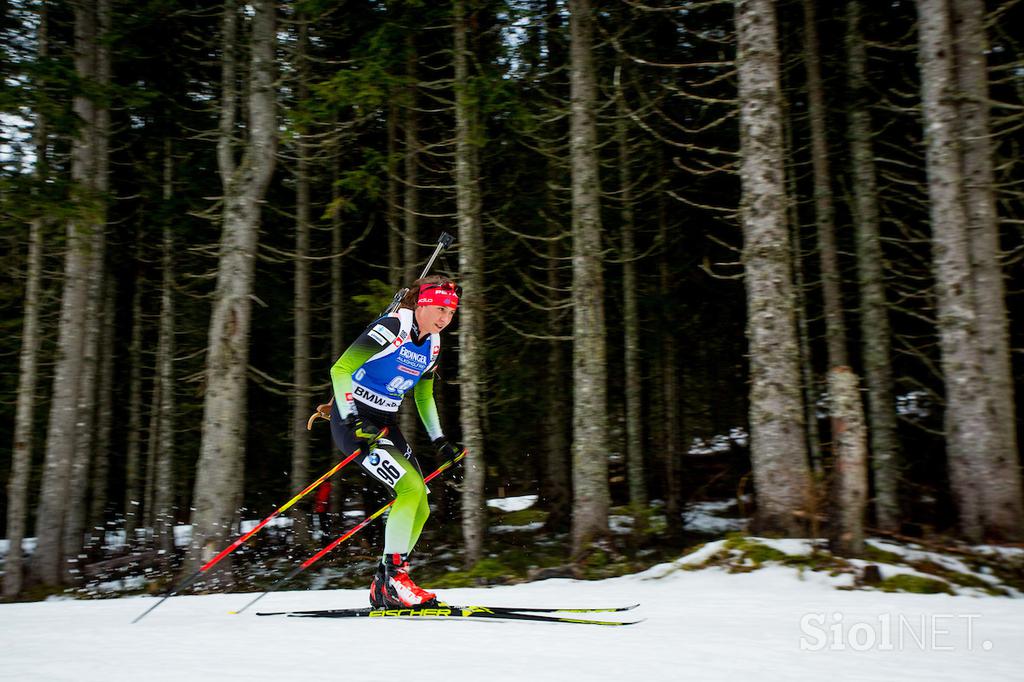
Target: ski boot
column 392, row 588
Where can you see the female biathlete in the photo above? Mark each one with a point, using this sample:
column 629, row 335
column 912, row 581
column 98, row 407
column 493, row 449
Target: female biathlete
column 393, row 355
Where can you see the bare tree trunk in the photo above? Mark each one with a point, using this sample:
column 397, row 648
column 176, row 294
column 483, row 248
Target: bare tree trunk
column 98, row 406
column 777, row 446
column 134, row 489
column 28, row 359
column 48, row 559
column 969, row 429
column 557, row 484
column 88, row 397
column 104, row 414
column 219, row 480
column 557, row 481
column 394, row 206
column 301, row 393
column 411, row 205
column 1002, row 506
column 824, row 214
column 337, row 269
column 808, row 387
column 148, row 517
column 338, row 308
column 590, row 407
column 633, row 393
column 672, row 444
column 876, row 331
column 847, row 420
column 21, row 462
column 163, row 498
column 849, row 438
column 472, row 372
column 78, row 488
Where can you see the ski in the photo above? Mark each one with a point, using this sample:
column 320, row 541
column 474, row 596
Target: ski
column 494, row 609
column 444, row 611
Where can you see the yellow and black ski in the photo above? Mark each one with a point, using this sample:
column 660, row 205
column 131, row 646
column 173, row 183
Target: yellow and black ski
column 447, row 611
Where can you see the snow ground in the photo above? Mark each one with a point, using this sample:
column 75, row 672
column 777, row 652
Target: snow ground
column 704, row 625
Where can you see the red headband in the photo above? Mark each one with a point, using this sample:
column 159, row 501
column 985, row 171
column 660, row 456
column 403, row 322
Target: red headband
column 439, row 294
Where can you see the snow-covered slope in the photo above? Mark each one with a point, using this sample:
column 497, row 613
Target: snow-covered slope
column 706, row 625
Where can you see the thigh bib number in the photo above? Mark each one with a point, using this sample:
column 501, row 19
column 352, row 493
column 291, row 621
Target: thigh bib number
column 383, row 466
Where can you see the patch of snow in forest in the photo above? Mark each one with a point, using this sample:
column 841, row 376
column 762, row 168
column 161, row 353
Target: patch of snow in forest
column 513, row 504
column 525, row 528
column 702, row 517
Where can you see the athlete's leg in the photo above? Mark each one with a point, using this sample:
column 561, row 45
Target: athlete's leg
column 391, row 463
column 409, row 512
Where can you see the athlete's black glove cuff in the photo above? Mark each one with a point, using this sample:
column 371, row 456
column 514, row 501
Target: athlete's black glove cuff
column 445, row 453
column 446, row 450
column 361, row 429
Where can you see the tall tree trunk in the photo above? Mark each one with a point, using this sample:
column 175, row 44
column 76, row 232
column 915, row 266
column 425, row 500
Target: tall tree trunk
column 148, row 517
column 134, row 484
column 163, row 498
column 1002, row 506
column 48, row 559
column 100, row 406
column 850, row 488
column 394, row 196
column 85, row 440
column 633, row 393
column 557, row 483
column 219, row 475
column 28, row 359
column 338, row 304
column 78, row 488
column 672, row 444
column 876, row 332
column 411, row 203
column 300, row 369
column 809, row 389
column 472, row 372
column 847, row 420
column 337, row 264
column 104, row 415
column 777, row 446
column 969, row 428
column 824, row 214
column 590, row 407
column 21, row 457
column 152, row 454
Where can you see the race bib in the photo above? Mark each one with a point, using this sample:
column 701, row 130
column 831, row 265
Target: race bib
column 382, row 466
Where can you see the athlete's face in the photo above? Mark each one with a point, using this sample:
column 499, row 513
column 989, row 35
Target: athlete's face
column 433, row 318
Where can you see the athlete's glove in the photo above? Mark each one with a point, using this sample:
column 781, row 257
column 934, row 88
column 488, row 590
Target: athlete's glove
column 362, row 429
column 445, row 453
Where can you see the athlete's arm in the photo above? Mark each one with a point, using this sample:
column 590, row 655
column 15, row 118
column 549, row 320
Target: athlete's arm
column 375, row 339
column 425, row 405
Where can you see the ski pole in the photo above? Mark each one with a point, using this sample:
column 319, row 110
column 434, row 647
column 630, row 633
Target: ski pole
column 238, row 543
column 362, row 524
column 443, row 242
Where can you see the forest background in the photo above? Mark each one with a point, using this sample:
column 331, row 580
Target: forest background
column 768, row 251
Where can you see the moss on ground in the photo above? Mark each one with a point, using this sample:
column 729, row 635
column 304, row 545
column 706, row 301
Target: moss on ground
column 880, row 556
column 523, row 517
column 904, row 582
column 754, row 551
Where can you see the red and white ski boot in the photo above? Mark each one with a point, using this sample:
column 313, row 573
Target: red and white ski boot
column 392, row 588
